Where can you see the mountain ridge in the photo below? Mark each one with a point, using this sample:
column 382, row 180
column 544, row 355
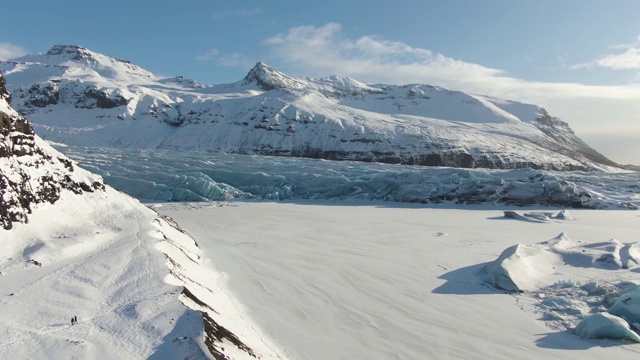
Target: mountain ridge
column 117, row 103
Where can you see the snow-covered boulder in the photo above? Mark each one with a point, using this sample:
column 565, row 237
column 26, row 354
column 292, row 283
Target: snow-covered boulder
column 606, row 326
column 522, row 267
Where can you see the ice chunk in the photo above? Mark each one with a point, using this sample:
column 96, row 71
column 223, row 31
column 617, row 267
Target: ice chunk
column 522, row 267
column 630, row 255
column 606, row 326
column 563, row 215
column 526, row 217
column 565, row 305
column 628, row 306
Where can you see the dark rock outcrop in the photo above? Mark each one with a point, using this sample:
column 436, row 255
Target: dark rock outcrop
column 104, row 100
column 268, row 78
column 31, row 174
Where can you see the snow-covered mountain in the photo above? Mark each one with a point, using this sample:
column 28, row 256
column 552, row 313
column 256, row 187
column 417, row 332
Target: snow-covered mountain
column 79, row 97
column 72, row 246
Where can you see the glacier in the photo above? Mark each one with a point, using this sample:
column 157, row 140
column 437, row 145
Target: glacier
column 181, row 175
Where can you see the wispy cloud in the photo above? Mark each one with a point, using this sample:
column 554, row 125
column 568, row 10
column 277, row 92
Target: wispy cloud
column 626, row 58
column 10, row 51
column 239, row 13
column 210, row 55
column 325, row 50
column 227, row 60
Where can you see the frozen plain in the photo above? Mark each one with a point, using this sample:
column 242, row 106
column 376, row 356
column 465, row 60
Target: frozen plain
column 334, row 280
column 349, row 277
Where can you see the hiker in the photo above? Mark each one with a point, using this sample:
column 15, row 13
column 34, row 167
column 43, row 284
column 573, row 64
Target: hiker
column 72, row 321
column 75, row 319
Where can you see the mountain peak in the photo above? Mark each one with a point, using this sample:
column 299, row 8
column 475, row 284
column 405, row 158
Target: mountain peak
column 268, row 78
column 75, row 52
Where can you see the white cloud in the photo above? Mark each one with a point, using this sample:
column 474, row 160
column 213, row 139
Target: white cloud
column 10, row 51
column 628, row 58
column 325, row 50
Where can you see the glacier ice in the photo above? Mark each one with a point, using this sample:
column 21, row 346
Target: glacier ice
column 627, row 306
column 181, row 175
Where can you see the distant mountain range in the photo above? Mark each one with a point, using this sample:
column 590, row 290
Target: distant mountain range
column 75, row 96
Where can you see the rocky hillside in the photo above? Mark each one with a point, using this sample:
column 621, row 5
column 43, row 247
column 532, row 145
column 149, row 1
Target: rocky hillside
column 76, row 96
column 31, row 172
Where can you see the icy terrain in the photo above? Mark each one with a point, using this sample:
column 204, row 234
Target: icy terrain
column 76, row 96
column 362, row 280
column 194, row 176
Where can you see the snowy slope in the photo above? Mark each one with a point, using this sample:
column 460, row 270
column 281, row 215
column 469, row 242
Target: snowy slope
column 71, row 246
column 79, row 97
column 139, row 287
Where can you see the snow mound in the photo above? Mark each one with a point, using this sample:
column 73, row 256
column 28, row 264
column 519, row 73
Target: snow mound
column 600, row 307
column 606, row 326
column 525, row 267
column 538, row 216
column 532, row 267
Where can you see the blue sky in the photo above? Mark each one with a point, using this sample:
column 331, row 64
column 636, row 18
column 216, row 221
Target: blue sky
column 578, row 59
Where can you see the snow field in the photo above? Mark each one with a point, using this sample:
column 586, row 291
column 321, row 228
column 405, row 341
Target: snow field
column 345, row 280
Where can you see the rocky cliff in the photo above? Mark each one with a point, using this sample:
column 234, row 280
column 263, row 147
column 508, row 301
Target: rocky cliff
column 31, row 172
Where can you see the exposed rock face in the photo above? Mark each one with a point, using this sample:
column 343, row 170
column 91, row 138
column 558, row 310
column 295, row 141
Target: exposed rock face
column 103, row 100
column 41, row 95
column 563, row 134
column 268, row 78
column 32, row 172
column 76, row 52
